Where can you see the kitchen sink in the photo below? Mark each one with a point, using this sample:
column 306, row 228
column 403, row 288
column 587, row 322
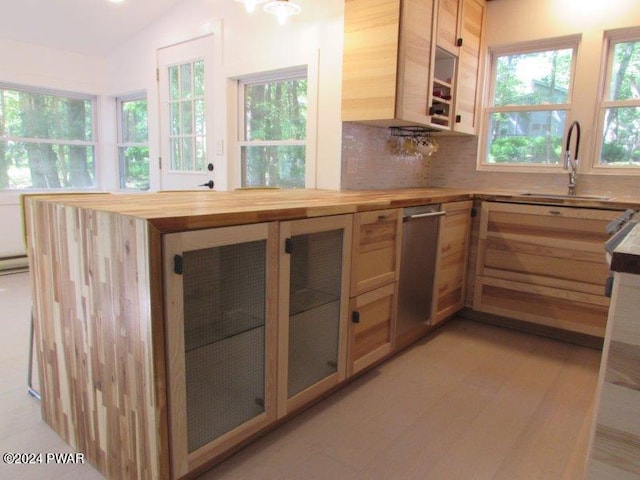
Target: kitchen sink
column 564, row 196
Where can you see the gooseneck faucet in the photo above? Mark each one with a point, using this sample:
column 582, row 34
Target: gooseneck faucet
column 569, row 163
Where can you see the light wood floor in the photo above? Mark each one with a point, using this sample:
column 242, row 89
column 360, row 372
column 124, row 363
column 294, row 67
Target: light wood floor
column 472, row 402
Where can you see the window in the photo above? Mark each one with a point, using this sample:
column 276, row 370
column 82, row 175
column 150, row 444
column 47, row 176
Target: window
column 133, row 142
column 530, row 96
column 47, row 139
column 619, row 119
column 274, row 130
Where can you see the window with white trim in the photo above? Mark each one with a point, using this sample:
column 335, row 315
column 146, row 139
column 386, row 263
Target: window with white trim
column 133, row 142
column 47, row 139
column 528, row 105
column 619, row 116
column 273, row 129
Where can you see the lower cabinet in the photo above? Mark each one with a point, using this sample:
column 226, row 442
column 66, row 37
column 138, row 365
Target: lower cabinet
column 372, row 326
column 314, row 300
column 451, row 262
column 220, row 308
column 544, row 264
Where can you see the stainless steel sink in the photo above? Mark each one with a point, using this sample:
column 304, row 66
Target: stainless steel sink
column 564, row 196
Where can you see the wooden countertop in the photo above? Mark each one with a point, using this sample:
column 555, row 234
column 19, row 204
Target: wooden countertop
column 190, row 210
column 626, row 256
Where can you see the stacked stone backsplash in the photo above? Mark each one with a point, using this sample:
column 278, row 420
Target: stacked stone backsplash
column 368, row 162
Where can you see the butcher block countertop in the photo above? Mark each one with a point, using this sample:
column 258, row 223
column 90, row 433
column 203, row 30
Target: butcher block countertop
column 626, row 256
column 191, row 210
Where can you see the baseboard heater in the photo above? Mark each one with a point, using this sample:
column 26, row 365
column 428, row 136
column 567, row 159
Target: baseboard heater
column 14, row 263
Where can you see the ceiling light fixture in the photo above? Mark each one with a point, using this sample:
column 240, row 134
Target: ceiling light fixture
column 282, row 9
column 250, row 5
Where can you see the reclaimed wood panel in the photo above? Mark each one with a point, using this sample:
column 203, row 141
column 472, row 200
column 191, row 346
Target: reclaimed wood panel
column 96, row 345
column 614, row 451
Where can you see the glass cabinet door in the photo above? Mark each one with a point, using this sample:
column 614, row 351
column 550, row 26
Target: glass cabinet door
column 314, row 276
column 218, row 322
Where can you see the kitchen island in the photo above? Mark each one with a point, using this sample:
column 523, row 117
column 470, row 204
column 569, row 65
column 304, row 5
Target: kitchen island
column 108, row 306
column 615, row 441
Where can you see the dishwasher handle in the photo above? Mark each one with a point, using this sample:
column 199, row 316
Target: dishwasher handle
column 424, row 215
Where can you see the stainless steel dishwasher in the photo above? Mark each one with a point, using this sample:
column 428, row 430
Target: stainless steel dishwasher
column 417, row 266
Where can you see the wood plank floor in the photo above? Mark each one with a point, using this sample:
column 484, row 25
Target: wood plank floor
column 472, row 402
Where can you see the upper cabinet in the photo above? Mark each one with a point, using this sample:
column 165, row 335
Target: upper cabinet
column 387, row 45
column 403, row 63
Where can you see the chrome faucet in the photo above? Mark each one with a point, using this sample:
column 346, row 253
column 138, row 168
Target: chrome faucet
column 569, row 163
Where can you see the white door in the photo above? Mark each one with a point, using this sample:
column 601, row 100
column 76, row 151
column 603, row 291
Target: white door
column 185, row 84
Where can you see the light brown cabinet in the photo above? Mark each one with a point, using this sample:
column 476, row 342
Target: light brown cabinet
column 544, row 265
column 374, row 286
column 386, row 62
column 221, row 307
column 314, row 283
column 451, row 263
column 412, row 62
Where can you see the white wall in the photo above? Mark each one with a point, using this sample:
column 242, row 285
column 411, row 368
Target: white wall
column 248, row 42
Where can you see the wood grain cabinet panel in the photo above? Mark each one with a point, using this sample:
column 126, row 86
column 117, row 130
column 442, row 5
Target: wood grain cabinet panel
column 386, row 61
column 451, row 264
column 372, row 326
column 544, row 264
column 375, row 269
column 376, row 249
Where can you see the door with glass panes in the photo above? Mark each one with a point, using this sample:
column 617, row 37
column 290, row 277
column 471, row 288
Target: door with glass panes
column 186, row 93
column 220, row 320
column 313, row 307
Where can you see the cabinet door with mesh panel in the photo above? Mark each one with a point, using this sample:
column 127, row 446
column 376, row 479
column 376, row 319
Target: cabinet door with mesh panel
column 314, row 294
column 220, row 307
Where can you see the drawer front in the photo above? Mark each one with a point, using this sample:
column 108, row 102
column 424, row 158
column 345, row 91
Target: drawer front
column 375, row 256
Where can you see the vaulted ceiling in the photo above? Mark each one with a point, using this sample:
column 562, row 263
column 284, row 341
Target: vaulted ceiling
column 92, row 27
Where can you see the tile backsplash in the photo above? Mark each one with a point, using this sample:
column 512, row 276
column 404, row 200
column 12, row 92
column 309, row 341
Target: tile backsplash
column 368, row 162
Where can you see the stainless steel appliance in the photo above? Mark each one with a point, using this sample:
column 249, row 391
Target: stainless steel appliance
column 417, row 266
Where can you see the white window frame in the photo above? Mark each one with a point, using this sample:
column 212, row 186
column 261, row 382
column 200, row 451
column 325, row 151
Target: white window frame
column 235, row 73
column 93, row 142
column 569, row 42
column 296, row 73
column 120, row 143
column 611, row 38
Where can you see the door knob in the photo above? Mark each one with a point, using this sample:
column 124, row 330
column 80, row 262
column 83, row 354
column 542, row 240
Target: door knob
column 209, row 184
column 210, row 167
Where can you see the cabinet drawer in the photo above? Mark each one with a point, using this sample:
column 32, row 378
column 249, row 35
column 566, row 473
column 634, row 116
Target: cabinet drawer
column 544, row 264
column 375, row 249
column 372, row 324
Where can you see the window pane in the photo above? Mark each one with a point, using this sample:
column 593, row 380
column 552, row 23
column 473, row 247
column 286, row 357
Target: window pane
column 187, row 118
column 38, row 129
column 273, row 166
column 134, row 167
column 45, row 165
column 174, row 83
column 626, row 71
column 276, row 110
column 185, row 80
column 621, row 138
column 533, row 78
column 198, row 78
column 530, row 137
column 134, row 121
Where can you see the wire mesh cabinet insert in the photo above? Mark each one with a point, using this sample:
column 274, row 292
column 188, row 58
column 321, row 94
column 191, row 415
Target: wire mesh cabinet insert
column 314, row 293
column 220, row 317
